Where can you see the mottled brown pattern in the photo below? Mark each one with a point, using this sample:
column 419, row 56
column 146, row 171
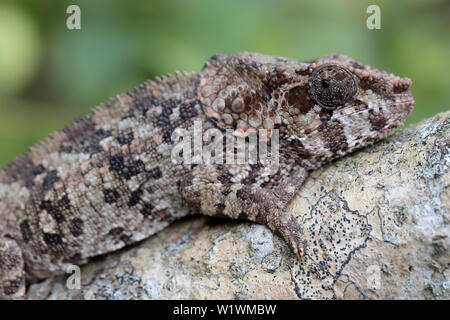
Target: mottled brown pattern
column 108, row 180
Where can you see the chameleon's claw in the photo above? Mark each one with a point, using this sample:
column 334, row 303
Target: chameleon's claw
column 292, row 233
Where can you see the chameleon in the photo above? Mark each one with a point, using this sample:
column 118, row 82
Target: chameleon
column 111, row 178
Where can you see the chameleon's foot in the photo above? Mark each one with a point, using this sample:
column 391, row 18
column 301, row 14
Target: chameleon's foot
column 12, row 275
column 292, row 233
column 247, row 202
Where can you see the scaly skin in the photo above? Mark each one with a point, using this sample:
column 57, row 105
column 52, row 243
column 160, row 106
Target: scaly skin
column 112, row 177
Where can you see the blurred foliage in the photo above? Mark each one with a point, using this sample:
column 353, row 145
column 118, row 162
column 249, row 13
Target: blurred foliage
column 49, row 74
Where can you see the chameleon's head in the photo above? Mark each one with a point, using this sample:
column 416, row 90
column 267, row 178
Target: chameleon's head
column 325, row 108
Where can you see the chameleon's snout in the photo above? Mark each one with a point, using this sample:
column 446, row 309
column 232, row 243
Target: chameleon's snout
column 402, row 84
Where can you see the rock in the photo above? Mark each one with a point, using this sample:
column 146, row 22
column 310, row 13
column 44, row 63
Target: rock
column 378, row 224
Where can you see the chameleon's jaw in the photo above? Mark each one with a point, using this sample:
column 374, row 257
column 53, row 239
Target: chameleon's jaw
column 381, row 118
column 351, row 129
column 404, row 105
column 388, row 104
column 403, row 98
column 396, row 108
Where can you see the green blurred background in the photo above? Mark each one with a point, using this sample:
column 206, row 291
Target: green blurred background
column 50, row 75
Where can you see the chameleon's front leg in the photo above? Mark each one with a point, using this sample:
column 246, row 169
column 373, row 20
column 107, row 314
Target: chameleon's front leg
column 12, row 274
column 251, row 202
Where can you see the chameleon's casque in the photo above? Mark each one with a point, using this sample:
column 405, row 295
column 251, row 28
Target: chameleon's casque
column 107, row 180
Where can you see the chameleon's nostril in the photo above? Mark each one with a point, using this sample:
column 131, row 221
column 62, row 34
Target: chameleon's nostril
column 402, row 85
column 406, row 81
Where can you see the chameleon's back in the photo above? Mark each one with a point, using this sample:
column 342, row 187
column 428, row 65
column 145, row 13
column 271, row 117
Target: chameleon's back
column 101, row 183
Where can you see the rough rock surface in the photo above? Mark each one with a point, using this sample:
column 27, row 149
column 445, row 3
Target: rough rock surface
column 378, row 224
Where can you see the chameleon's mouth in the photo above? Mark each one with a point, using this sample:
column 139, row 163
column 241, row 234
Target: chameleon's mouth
column 402, row 99
column 394, row 99
column 398, row 103
column 375, row 117
column 401, row 103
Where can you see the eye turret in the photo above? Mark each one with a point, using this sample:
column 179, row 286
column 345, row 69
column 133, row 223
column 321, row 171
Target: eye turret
column 332, row 85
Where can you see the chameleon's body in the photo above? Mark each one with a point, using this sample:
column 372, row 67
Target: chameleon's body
column 109, row 179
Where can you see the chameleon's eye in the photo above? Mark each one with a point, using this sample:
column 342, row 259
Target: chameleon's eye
column 332, row 85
